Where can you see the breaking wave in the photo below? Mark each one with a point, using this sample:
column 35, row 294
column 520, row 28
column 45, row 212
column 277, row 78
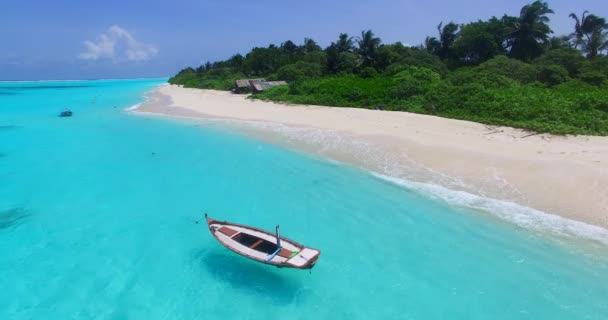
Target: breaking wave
column 402, row 171
column 508, row 211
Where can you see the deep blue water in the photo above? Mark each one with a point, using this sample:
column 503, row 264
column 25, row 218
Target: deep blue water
column 97, row 219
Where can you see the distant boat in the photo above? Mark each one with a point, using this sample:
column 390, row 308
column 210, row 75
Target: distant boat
column 66, row 113
column 263, row 246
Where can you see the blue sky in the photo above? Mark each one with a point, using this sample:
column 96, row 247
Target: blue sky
column 48, row 39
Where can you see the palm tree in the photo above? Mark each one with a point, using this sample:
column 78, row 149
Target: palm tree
column 345, row 43
column 561, row 42
column 589, row 33
column 447, row 37
column 577, row 35
column 368, row 47
column 289, row 47
column 442, row 47
column 432, row 45
column 596, row 43
column 531, row 31
column 310, row 45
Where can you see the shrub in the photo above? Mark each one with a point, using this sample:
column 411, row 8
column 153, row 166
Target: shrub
column 349, row 90
column 316, row 57
column 468, row 75
column 593, row 77
column 570, row 107
column 368, row 72
column 570, row 59
column 598, row 64
column 395, row 68
column 220, row 73
column 510, row 68
column 422, row 58
column 414, row 81
column 193, row 83
column 274, row 93
column 298, row 71
column 552, row 75
column 347, row 62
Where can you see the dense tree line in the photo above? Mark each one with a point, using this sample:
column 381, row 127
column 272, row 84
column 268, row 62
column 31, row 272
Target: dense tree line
column 510, row 70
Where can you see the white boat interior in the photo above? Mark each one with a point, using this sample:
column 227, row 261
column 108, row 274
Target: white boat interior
column 262, row 246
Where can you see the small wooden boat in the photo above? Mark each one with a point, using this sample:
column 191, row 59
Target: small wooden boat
column 65, row 113
column 263, row 246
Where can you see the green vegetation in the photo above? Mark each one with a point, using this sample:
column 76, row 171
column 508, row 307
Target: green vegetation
column 503, row 71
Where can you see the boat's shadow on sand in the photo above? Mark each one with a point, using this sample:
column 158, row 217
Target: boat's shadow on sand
column 281, row 285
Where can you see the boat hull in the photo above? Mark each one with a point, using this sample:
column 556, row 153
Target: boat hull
column 262, row 246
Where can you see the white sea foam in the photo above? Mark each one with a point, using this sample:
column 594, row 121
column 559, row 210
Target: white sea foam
column 405, row 172
column 146, row 98
column 508, row 211
column 134, row 107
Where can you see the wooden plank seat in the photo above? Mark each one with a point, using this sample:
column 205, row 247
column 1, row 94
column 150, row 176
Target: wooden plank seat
column 257, row 243
column 285, row 253
column 227, row 231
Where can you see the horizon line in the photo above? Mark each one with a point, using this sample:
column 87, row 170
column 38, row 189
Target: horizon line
column 66, row 80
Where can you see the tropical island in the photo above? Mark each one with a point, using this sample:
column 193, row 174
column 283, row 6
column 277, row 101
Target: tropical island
column 500, row 108
column 215, row 196
column 509, row 70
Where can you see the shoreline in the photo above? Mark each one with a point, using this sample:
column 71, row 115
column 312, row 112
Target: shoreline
column 561, row 175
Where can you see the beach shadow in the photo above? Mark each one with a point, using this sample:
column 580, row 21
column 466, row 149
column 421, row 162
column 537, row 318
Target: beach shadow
column 251, row 277
column 12, row 217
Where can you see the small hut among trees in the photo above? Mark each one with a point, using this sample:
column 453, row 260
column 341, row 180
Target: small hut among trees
column 245, row 85
column 255, row 85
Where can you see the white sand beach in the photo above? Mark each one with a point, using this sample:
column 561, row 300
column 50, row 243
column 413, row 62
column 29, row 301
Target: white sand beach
column 563, row 175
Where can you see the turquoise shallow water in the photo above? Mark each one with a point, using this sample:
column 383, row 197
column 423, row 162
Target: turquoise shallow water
column 97, row 222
